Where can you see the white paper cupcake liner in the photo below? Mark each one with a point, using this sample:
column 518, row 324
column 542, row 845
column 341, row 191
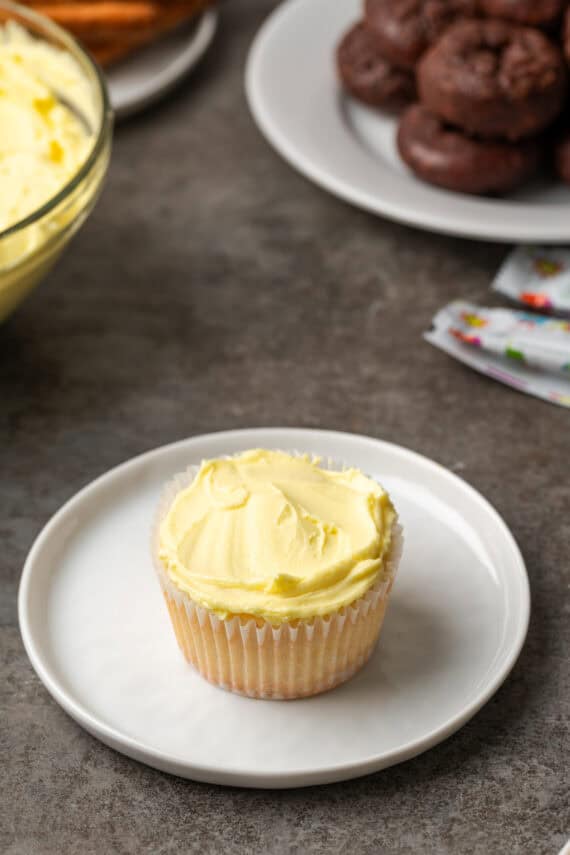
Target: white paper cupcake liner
column 253, row 657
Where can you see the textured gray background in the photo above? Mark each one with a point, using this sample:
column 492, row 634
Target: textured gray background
column 214, row 288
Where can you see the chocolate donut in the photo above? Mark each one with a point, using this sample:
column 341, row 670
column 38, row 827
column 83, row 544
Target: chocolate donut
column 493, row 79
column 531, row 13
column 404, row 29
column 449, row 158
column 369, row 77
column 562, row 156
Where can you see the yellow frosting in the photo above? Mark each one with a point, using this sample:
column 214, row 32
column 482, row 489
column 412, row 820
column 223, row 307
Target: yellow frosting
column 272, row 535
column 42, row 142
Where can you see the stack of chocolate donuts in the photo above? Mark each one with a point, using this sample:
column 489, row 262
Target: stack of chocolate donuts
column 481, row 86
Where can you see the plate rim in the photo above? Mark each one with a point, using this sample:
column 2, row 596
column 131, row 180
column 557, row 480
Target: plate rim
column 472, row 228
column 199, row 42
column 214, row 774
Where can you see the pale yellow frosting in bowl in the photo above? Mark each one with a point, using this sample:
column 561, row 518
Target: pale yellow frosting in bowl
column 43, row 142
column 55, row 141
column 276, row 536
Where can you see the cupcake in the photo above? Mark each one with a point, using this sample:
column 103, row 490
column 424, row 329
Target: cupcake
column 276, row 570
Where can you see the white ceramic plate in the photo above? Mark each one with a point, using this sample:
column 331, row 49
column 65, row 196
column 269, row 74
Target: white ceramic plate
column 146, row 76
column 97, row 632
column 349, row 149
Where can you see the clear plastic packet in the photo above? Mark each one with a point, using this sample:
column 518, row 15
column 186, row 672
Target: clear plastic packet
column 529, row 352
column 538, row 278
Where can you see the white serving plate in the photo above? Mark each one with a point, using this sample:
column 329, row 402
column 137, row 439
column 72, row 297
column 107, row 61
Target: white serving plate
column 97, row 632
column 149, row 74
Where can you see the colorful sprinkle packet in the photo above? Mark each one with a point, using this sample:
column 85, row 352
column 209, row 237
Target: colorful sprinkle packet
column 537, row 277
column 529, row 352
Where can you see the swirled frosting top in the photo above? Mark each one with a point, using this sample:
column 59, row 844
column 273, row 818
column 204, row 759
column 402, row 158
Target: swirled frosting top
column 273, row 535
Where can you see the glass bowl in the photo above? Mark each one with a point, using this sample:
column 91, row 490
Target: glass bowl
column 29, row 248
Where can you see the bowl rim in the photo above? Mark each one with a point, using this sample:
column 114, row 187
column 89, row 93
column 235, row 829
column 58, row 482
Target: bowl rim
column 69, row 42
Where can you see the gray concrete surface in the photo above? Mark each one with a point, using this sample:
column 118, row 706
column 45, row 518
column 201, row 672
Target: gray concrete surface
column 214, row 288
